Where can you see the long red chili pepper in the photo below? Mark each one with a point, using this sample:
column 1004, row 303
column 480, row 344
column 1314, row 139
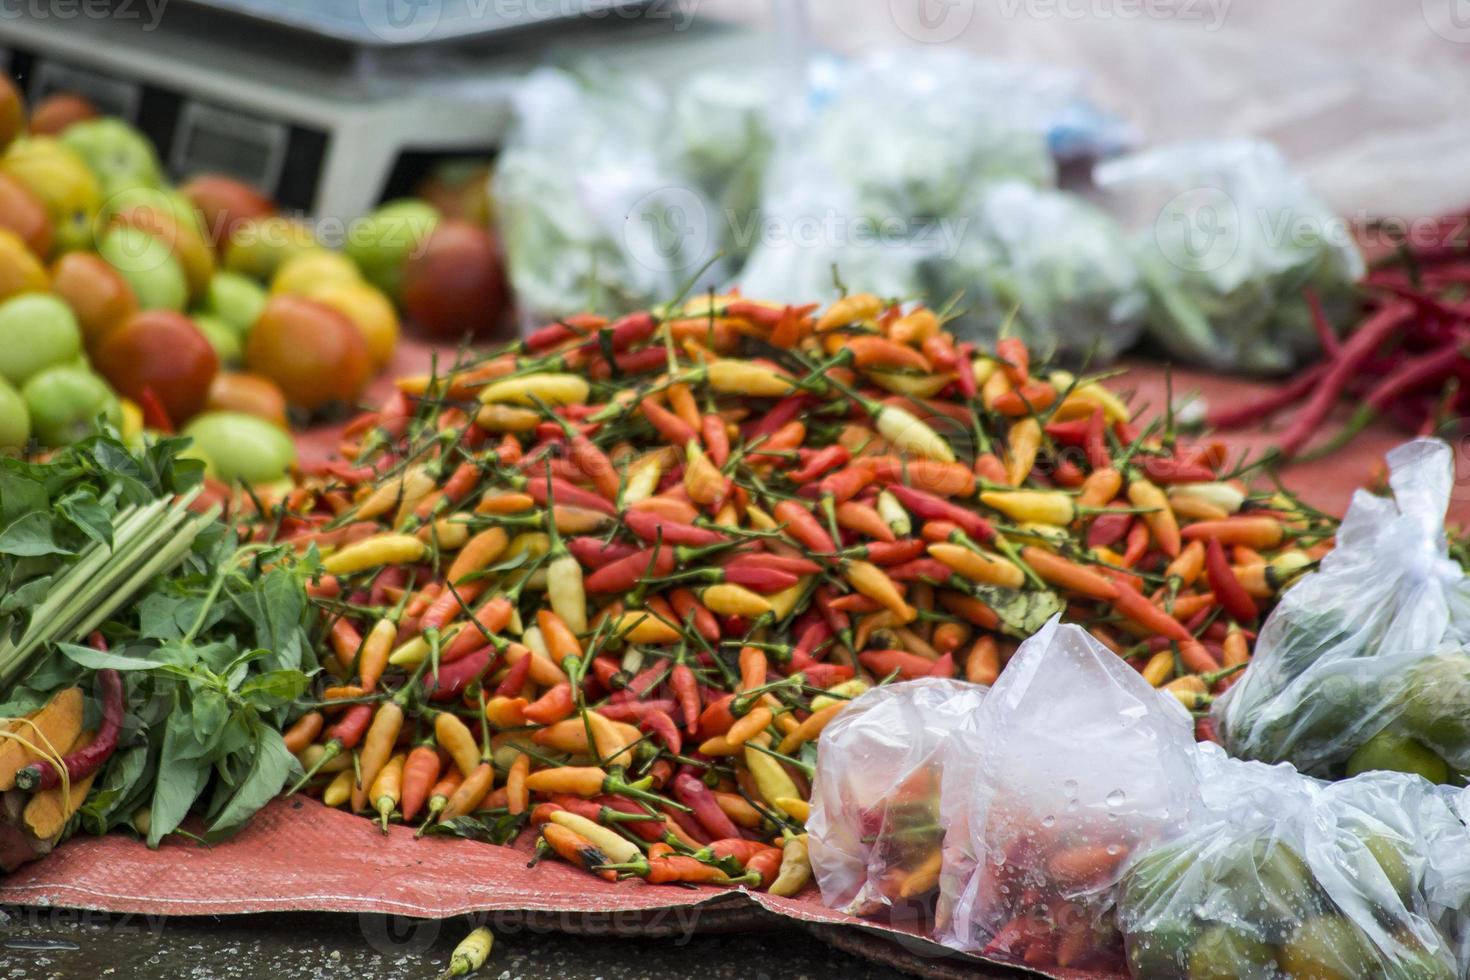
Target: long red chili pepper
column 43, row 774
column 595, row 553
column 1227, row 588
column 802, row 525
column 691, row 792
column 652, row 527
column 819, row 461
column 927, row 506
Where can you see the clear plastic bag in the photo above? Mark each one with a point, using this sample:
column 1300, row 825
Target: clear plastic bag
column 882, row 173
column 594, row 211
column 874, row 834
column 1080, row 764
column 1283, row 876
column 1059, row 262
column 1362, row 664
column 1227, row 238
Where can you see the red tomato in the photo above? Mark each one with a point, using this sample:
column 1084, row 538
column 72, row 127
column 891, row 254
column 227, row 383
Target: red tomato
column 163, row 351
column 310, row 350
column 455, row 285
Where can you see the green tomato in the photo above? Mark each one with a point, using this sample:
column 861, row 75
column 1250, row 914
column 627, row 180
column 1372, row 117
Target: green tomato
column 116, row 153
column 164, row 199
column 1398, row 753
column 383, row 241
column 38, row 331
column 1223, row 953
column 1271, row 886
column 1388, row 853
column 236, row 446
column 66, row 404
column 221, row 337
column 1410, row 960
column 1328, row 948
column 234, row 300
column 15, row 420
column 1435, row 692
column 1161, row 951
column 149, row 267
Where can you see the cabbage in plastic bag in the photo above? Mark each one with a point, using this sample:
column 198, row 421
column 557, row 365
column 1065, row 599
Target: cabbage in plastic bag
column 1283, row 876
column 884, row 174
column 1363, row 665
column 592, row 210
column 1227, row 238
column 1062, row 265
column 874, row 833
column 1080, row 764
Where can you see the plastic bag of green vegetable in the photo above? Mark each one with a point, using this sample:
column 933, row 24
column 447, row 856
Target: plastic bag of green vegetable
column 1228, row 238
column 1056, row 261
column 1283, row 876
column 1363, row 664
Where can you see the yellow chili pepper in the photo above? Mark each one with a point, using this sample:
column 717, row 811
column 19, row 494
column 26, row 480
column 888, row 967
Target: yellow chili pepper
column 1159, row 517
column 641, row 626
column 386, row 495
column 874, row 583
column 770, row 779
column 553, row 389
column 907, row 433
column 840, row 693
column 339, row 790
column 727, row 599
column 784, row 602
column 501, row 419
column 387, row 788
column 377, row 748
column 796, row 868
column 375, row 552
column 703, row 480
column 978, row 566
column 1043, row 506
column 796, row 809
column 454, row 737
column 1024, row 443
column 643, row 477
column 618, row 848
column 1160, row 668
column 1100, row 487
column 810, row 728
column 565, row 592
column 1190, row 691
column 1226, row 496
column 729, row 376
column 852, row 308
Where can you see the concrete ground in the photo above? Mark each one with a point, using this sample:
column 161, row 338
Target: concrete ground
column 39, row 944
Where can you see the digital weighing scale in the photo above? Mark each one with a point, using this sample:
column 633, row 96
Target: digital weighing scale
column 330, row 106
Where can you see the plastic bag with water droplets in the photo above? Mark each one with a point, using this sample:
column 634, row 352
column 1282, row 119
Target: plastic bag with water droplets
column 1227, row 238
column 1367, row 655
column 1281, row 875
column 1058, row 262
column 874, row 833
column 1080, row 763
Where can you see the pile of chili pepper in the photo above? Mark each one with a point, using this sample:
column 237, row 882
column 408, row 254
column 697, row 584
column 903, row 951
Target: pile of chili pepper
column 613, row 581
column 1407, row 360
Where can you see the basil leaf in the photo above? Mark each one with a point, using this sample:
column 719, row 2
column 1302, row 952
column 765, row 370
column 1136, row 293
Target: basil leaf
column 180, row 778
column 273, row 689
column 270, row 765
column 105, row 659
column 30, row 534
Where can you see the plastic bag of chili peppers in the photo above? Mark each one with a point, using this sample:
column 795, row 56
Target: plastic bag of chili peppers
column 874, row 828
column 1080, row 763
column 1363, row 664
column 1284, row 876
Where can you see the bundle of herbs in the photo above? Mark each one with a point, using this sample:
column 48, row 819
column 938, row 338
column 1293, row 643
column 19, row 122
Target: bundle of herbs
column 196, row 648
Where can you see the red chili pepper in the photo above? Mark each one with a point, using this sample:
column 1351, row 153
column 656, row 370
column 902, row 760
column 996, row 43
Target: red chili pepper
column 514, row 679
column 595, row 553
column 765, row 580
column 550, row 707
column 811, row 639
column 43, row 774
column 1108, row 529
column 632, row 362
column 784, row 411
column 928, row 507
column 846, row 483
column 1070, row 433
column 944, row 666
column 783, row 563
column 802, row 525
column 691, row 792
column 1167, row 469
column 965, row 372
column 838, row 620
column 155, row 415
column 1227, row 588
column 716, row 439
column 662, row 726
column 452, row 679
column 635, row 710
column 625, row 332
column 689, row 609
column 650, row 527
column 825, row 675
column 889, row 552
column 567, row 494
column 686, row 689
column 920, row 568
column 675, row 431
column 881, row 663
column 555, row 334
column 625, row 574
column 816, row 462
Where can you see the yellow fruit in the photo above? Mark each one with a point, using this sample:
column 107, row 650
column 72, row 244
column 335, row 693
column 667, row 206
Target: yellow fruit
column 132, row 420
column 369, row 310
column 60, row 178
column 302, row 273
column 20, row 271
column 259, row 246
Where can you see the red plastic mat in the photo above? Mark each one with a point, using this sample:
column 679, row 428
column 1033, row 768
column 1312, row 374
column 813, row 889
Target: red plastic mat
column 299, row 856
